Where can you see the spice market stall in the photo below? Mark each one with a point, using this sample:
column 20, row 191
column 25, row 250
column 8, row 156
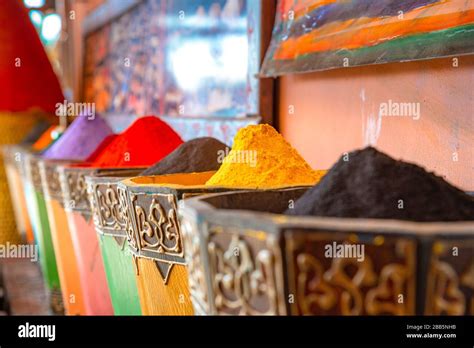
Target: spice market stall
column 238, row 157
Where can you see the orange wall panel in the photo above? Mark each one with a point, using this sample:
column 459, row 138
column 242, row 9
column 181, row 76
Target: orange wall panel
column 327, row 113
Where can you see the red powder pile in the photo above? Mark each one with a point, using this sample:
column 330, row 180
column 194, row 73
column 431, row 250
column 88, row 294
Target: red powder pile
column 144, row 143
column 102, row 146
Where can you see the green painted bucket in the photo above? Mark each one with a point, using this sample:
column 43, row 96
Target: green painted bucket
column 36, row 206
column 110, row 226
column 120, row 274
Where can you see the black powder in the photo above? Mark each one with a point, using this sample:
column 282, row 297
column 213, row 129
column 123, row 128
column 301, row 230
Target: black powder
column 197, row 155
column 371, row 184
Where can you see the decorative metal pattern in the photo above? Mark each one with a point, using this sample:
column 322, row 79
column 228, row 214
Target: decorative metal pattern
column 105, row 204
column 75, row 189
column 195, row 266
column 125, row 211
column 153, row 225
column 33, row 172
column 451, row 278
column 372, row 267
column 94, row 205
column 156, row 226
column 50, row 180
column 383, row 282
column 246, row 272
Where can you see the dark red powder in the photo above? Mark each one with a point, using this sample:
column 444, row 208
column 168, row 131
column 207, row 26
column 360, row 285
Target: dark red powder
column 144, row 143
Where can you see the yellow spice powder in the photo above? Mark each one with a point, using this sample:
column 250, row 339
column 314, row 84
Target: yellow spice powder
column 261, row 158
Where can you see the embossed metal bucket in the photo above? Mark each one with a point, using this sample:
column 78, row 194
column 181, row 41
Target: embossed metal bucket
column 245, row 258
column 68, row 271
column 110, row 227
column 154, row 237
column 13, row 156
column 89, row 262
column 36, row 206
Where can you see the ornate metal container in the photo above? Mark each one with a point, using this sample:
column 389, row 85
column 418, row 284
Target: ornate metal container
column 84, row 240
column 110, row 226
column 13, row 158
column 37, row 212
column 154, row 237
column 73, row 297
column 15, row 126
column 245, row 258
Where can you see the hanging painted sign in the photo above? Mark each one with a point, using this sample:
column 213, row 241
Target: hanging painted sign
column 312, row 35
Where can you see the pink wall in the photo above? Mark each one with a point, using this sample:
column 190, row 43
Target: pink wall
column 338, row 111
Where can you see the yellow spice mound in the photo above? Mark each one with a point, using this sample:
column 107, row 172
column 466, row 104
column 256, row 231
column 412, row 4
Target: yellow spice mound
column 261, row 158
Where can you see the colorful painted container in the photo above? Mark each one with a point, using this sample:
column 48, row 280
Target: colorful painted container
column 38, row 214
column 68, row 270
column 86, row 247
column 281, row 266
column 13, row 156
column 110, row 227
column 154, row 237
column 14, row 127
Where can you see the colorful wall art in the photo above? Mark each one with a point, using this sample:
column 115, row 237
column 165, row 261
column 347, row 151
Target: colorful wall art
column 194, row 63
column 312, row 35
column 172, row 58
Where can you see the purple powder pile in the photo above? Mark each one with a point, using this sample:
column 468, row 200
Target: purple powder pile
column 79, row 140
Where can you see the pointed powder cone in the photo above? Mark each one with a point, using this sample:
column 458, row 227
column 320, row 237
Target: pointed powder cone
column 27, row 86
column 27, row 78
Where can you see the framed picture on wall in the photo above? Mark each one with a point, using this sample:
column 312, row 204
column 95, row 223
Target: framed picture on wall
column 194, row 63
column 312, row 35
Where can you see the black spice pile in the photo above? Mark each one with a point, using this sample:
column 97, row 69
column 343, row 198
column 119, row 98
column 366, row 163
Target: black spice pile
column 197, row 155
column 373, row 185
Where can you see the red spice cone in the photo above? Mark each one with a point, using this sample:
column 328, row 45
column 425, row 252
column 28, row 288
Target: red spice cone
column 145, row 142
column 32, row 84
